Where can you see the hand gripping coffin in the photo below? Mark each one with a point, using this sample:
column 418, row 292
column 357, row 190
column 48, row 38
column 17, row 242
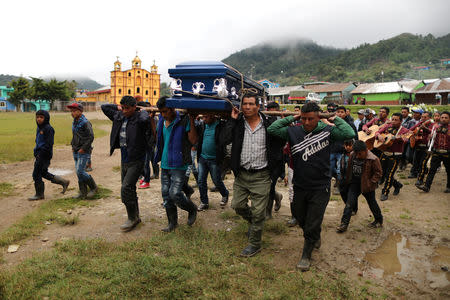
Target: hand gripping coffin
column 208, row 86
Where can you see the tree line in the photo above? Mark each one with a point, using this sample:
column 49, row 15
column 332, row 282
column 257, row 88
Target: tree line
column 39, row 89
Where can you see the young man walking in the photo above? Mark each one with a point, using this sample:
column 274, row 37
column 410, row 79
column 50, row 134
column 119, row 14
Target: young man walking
column 43, row 152
column 422, row 132
column 83, row 137
column 252, row 162
column 129, row 133
column 310, row 148
column 361, row 177
column 210, row 153
column 175, row 136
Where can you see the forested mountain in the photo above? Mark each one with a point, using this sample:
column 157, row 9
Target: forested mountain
column 82, row 82
column 293, row 63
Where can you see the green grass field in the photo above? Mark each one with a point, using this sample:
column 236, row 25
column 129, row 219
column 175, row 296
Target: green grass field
column 18, row 133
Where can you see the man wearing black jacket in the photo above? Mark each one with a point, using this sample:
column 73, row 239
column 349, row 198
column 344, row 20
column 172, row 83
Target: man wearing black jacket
column 43, row 153
column 83, row 137
column 252, row 162
column 129, row 133
column 210, row 153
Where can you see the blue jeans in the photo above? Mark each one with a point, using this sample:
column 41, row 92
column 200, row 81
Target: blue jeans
column 192, row 168
column 334, row 160
column 172, row 182
column 81, row 160
column 205, row 166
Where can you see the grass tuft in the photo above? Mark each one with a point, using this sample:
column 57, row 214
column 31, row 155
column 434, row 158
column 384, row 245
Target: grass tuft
column 116, row 169
column 6, row 189
column 34, row 222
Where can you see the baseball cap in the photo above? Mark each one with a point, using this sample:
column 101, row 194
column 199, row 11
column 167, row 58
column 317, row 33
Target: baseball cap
column 361, row 112
column 75, row 105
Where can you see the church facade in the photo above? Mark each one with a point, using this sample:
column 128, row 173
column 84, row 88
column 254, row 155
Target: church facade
column 136, row 82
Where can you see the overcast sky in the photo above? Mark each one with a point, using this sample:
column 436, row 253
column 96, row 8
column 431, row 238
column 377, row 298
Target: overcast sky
column 45, row 37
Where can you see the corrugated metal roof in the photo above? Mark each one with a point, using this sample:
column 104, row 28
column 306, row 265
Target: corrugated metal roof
column 378, row 88
column 285, row 90
column 439, row 86
column 328, row 88
column 409, row 85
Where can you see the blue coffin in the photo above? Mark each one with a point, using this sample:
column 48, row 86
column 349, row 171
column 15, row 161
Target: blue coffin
column 192, row 82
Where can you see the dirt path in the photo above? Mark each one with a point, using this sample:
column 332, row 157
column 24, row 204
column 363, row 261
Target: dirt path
column 403, row 259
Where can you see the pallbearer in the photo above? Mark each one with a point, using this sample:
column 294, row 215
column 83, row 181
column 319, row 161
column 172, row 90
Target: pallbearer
column 310, row 147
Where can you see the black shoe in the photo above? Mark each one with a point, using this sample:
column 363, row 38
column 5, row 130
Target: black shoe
column 412, row 176
column 61, row 181
column 305, row 263
column 397, row 189
column 342, row 228
column 383, row 197
column 93, row 188
column 83, row 190
column 133, row 217
column 39, row 188
column 424, row 188
column 318, row 243
column 375, row 224
column 192, row 216
column 354, row 212
column 172, row 217
column 250, row 251
column 189, row 193
column 447, row 190
column 278, row 198
column 203, row 206
column 214, row 189
column 419, row 183
column 292, row 222
column 224, row 201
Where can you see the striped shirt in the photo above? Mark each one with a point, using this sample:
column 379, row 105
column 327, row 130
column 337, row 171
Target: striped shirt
column 253, row 155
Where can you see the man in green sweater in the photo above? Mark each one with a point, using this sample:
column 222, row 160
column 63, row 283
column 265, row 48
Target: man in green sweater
column 310, row 148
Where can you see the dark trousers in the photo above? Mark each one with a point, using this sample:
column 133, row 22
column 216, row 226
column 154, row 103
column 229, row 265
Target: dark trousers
column 173, row 182
column 130, row 173
column 436, row 159
column 343, row 190
column 210, row 166
column 390, row 165
column 41, row 170
column 274, row 175
column 308, row 208
column 149, row 155
column 354, row 190
column 420, row 160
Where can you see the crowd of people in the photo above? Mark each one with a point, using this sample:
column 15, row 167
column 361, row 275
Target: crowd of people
column 316, row 146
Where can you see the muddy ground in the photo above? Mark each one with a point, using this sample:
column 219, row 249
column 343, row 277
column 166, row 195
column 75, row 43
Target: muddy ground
column 408, row 258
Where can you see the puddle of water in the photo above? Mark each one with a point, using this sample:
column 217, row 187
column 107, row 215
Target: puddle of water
column 398, row 256
column 60, row 172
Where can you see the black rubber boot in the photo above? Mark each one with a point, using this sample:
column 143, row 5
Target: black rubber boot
column 133, row 217
column 83, row 190
column 61, row 181
column 39, row 187
column 252, row 249
column 172, row 217
column 93, row 188
column 305, row 262
column 187, row 189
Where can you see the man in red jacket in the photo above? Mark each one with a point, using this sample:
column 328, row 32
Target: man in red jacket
column 393, row 154
column 440, row 151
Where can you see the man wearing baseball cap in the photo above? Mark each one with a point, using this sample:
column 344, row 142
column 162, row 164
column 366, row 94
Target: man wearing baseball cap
column 82, row 139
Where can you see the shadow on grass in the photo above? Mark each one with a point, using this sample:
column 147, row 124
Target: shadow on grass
column 34, row 222
column 188, row 263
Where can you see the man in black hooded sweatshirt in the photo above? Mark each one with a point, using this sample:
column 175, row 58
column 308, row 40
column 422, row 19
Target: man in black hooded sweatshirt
column 43, row 153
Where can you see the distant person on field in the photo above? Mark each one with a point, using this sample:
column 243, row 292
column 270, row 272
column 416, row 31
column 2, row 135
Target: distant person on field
column 43, row 153
column 82, row 139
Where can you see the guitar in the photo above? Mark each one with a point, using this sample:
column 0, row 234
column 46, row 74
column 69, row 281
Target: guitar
column 368, row 138
column 389, row 139
column 417, row 134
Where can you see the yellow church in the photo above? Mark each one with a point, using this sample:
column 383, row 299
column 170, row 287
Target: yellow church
column 136, row 82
